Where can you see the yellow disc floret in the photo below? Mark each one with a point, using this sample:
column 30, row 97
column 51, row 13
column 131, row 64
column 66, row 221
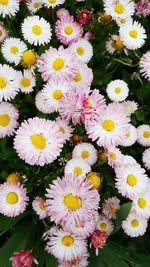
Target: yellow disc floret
column 131, row 180
column 108, row 125
column 12, row 198
column 77, row 171
column 95, row 179
column 38, row 141
column 72, row 202
column 68, row 241
column 4, row 120
column 29, row 58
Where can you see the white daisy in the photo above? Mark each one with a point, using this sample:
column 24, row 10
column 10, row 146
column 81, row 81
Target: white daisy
column 131, row 180
column 85, row 151
column 8, row 83
column 39, row 206
column 134, row 225
column 131, row 136
column 12, row 50
column 41, row 103
column 104, row 224
column 115, row 156
column 77, row 166
column 141, row 205
column 133, row 35
column 117, row 90
column 53, row 91
column 36, row 30
column 146, row 158
column 65, row 246
column 143, row 132
column 83, row 50
column 119, row 8
column 130, row 106
column 26, row 81
column 9, row 7
column 110, row 44
column 64, row 128
column 53, row 3
column 83, row 77
column 8, row 119
column 34, row 5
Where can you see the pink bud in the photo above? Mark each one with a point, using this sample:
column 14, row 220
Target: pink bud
column 22, row 259
column 62, row 12
column 99, row 239
column 84, row 17
column 88, row 36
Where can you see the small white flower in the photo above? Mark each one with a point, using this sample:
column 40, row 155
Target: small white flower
column 117, row 90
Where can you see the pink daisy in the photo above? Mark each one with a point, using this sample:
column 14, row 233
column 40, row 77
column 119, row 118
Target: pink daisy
column 62, row 12
column 111, row 207
column 145, row 66
column 110, row 127
column 8, row 119
column 67, row 30
column 142, row 8
column 70, row 200
column 82, row 262
column 38, row 141
column 84, row 76
column 60, row 63
column 64, row 129
column 39, row 207
column 115, row 157
column 13, row 199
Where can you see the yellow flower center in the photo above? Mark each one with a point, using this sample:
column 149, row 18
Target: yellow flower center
column 94, row 179
column 72, row 202
column 85, row 154
column 13, row 178
column 78, row 77
column 4, row 120
column 80, row 51
column 103, row 226
column 108, row 125
column 14, row 49
column 29, row 58
column 68, row 241
column 142, row 203
column 36, row 29
column 68, row 30
column 77, row 171
column 113, row 155
column 41, row 206
column 113, row 210
column 58, row 64
column 12, row 198
column 36, row 5
column 62, row 130
column 133, row 33
column 119, row 8
column 38, row 141
column 52, row 1
column 1, row 33
column 57, row 94
column 84, row 15
column 3, row 82
column 118, row 90
column 135, row 223
column 4, row 2
column 119, row 44
column 25, row 82
column 123, row 21
column 131, row 180
column 127, row 135
column 146, row 134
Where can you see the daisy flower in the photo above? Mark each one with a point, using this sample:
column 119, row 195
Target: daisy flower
column 110, row 207
column 41, row 103
column 104, row 225
column 13, row 199
column 52, row 3
column 133, row 35
column 65, row 246
column 3, row 33
column 79, row 262
column 130, row 106
column 144, row 65
column 38, row 141
column 59, row 63
column 146, row 158
column 143, row 132
column 83, row 77
column 79, row 167
column 36, row 30
column 141, row 205
column 131, row 136
column 127, row 160
column 9, row 7
column 64, row 128
column 13, row 178
column 12, row 50
column 131, row 180
column 28, row 58
column 117, row 90
column 111, row 126
column 85, row 151
column 115, row 156
column 62, row 12
column 34, row 5
column 110, row 44
column 8, row 119
column 67, row 30
column 26, row 81
column 142, row 8
column 83, row 50
column 39, row 206
column 8, row 83
column 70, row 200
column 119, row 8
column 134, row 225
column 53, row 91
column 94, row 179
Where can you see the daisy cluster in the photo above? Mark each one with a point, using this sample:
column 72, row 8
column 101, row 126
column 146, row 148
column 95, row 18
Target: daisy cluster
column 51, row 62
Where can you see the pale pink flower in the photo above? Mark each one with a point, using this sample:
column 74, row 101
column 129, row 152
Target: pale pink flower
column 142, row 8
column 145, row 66
column 111, row 207
column 39, row 206
column 62, row 12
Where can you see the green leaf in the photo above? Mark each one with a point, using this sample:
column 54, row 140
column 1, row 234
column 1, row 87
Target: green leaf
column 122, row 215
column 51, row 261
